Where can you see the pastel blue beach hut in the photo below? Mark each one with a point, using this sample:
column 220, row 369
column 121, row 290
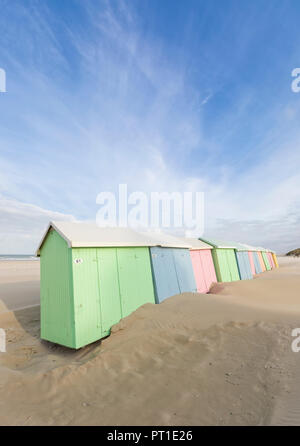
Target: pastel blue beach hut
column 256, row 263
column 242, row 258
column 172, row 267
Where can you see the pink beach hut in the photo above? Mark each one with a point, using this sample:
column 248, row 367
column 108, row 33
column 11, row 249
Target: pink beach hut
column 251, row 260
column 203, row 264
column 271, row 260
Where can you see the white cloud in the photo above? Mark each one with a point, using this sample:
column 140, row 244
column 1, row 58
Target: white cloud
column 22, row 225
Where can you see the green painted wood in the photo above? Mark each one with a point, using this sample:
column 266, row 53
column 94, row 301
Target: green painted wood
column 109, row 284
column 88, row 322
column 232, row 265
column 84, row 291
column 266, row 260
column 225, row 264
column 56, row 291
column 220, row 262
column 135, row 278
column 110, row 301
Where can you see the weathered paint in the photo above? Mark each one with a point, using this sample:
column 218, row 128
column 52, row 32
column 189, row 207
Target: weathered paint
column 243, row 263
column 257, row 264
column 275, row 259
column 261, row 261
column 84, row 291
column 172, row 272
column 204, row 270
column 225, row 264
column 251, row 260
column 266, row 260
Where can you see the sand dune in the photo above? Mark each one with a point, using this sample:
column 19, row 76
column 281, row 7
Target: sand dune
column 219, row 359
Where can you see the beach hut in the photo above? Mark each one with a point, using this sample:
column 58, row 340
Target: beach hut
column 252, row 263
column 171, row 266
column 92, row 277
column 254, row 260
column 265, row 258
column 223, row 254
column 275, row 259
column 261, row 260
column 257, row 263
column 243, row 261
column 271, row 260
column 203, row 264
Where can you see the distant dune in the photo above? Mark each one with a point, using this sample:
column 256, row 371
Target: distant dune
column 294, row 253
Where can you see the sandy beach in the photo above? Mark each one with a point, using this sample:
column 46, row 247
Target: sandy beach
column 222, row 358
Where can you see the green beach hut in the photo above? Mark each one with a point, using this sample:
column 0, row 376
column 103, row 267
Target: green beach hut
column 265, row 258
column 91, row 278
column 223, row 254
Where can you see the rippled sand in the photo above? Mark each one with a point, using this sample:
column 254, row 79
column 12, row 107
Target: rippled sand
column 219, row 359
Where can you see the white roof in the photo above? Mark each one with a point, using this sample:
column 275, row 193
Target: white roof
column 255, row 248
column 234, row 245
column 264, row 249
column 245, row 247
column 218, row 243
column 90, row 235
column 197, row 244
column 251, row 248
column 240, row 246
column 166, row 240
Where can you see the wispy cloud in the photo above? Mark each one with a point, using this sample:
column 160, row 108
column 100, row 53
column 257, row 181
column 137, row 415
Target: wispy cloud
column 22, row 224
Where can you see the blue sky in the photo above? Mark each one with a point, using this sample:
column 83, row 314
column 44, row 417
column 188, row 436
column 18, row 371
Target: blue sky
column 161, row 95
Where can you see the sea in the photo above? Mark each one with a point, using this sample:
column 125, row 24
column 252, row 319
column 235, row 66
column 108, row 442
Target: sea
column 18, row 257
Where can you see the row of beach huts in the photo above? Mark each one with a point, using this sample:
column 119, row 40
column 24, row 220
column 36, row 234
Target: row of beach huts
column 92, row 277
